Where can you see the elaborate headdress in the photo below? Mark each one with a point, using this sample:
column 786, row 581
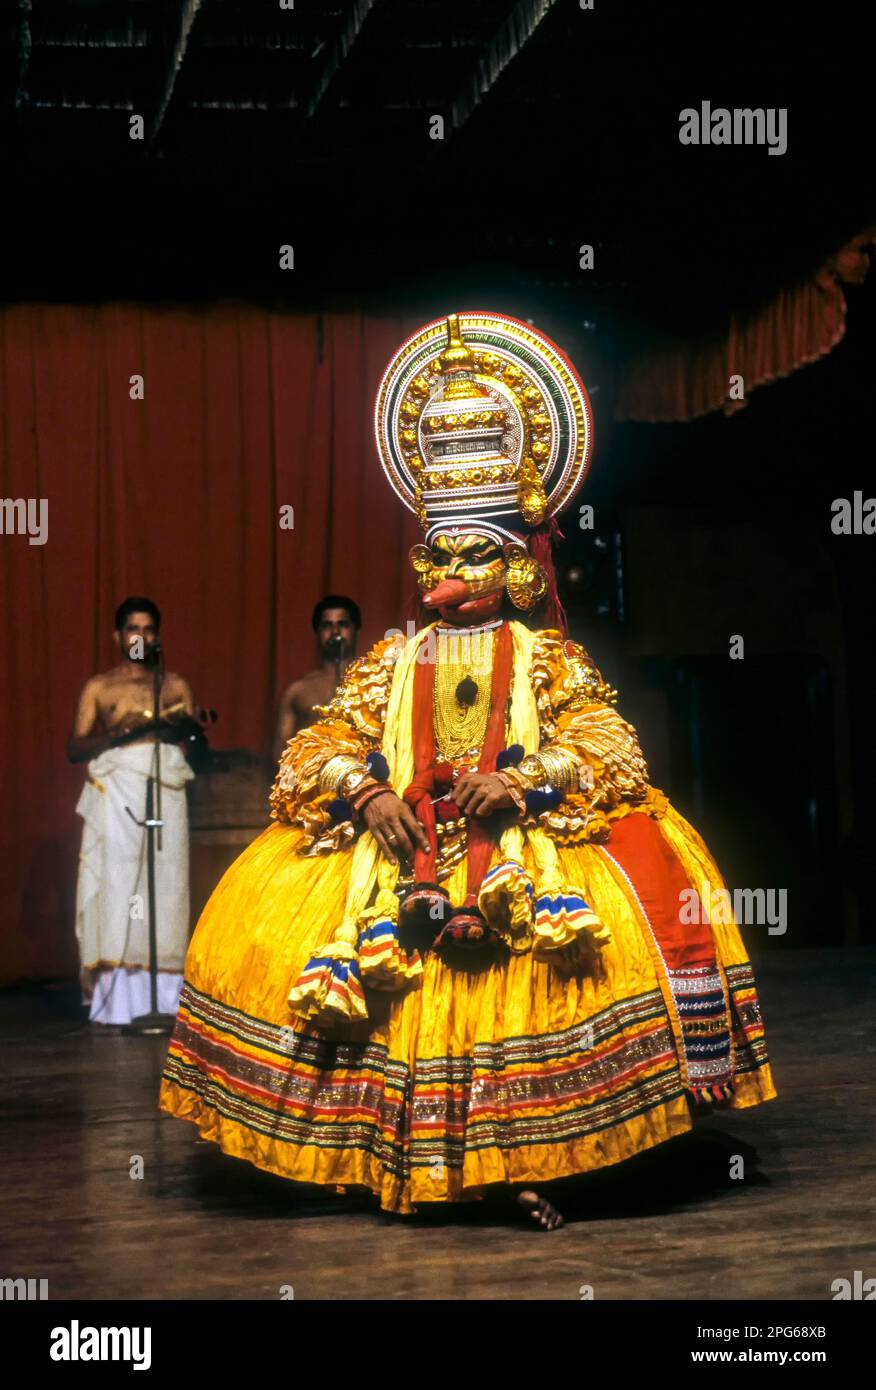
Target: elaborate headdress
column 483, row 425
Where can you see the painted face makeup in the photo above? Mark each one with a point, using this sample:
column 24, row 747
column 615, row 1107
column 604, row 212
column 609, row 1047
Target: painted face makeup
column 461, row 577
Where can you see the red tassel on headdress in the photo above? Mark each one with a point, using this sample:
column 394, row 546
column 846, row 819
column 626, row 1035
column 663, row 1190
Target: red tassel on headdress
column 414, row 612
column 541, row 544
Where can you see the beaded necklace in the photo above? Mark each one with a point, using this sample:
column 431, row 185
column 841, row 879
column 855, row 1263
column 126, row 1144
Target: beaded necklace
column 461, row 693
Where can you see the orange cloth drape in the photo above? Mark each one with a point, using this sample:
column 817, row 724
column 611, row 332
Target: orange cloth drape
column 669, row 381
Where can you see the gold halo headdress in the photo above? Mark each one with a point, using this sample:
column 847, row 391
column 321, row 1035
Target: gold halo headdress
column 484, row 425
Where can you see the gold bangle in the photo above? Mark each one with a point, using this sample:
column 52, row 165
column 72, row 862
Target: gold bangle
column 531, row 771
column 520, row 780
column 561, row 767
column 552, row 767
column 336, row 770
column 355, row 780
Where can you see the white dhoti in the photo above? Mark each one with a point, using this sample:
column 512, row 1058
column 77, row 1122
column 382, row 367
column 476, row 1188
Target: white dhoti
column 112, row 893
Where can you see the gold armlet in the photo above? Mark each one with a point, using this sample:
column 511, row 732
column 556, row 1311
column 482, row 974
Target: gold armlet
column 552, row 767
column 341, row 775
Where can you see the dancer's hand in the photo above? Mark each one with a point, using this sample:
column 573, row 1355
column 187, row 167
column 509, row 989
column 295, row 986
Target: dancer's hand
column 394, row 826
column 481, row 793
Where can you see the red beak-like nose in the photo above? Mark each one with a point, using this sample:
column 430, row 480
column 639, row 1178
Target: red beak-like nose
column 447, row 594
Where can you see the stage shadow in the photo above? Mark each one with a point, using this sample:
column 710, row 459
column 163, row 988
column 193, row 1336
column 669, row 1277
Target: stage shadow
column 220, row 1182
column 689, row 1170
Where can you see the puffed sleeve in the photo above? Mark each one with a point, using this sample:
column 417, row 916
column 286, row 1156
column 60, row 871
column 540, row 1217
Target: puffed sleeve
column 580, row 730
column 350, row 727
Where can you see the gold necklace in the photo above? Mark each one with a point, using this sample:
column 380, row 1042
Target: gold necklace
column 461, row 724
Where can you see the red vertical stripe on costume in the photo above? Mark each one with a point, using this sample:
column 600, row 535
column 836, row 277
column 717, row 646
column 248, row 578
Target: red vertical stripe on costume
column 659, row 879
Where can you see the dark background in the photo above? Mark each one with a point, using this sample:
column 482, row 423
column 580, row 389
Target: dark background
column 310, row 127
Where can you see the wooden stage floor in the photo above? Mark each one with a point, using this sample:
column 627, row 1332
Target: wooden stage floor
column 672, row 1224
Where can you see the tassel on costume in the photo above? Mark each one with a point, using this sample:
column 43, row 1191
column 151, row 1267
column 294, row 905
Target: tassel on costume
column 329, row 988
column 466, row 928
column 541, row 548
column 383, row 961
column 706, row 1095
column 561, row 917
column 506, row 894
column 562, row 914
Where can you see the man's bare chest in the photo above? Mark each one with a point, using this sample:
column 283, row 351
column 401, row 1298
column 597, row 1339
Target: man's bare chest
column 314, row 690
column 121, row 700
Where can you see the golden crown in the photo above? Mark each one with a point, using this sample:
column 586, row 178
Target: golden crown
column 482, row 423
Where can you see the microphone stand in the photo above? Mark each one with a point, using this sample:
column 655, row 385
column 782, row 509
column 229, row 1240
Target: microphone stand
column 338, row 644
column 153, row 1021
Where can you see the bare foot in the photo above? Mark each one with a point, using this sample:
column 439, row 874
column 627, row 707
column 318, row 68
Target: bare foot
column 540, row 1210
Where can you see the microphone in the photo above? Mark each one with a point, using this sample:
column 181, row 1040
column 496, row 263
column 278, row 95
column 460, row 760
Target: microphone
column 336, row 646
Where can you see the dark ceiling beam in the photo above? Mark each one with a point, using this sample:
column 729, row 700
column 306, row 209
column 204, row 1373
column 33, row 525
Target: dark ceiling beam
column 339, row 52
column 90, row 45
column 24, row 48
column 74, row 104
column 507, row 43
column 233, row 104
column 187, row 17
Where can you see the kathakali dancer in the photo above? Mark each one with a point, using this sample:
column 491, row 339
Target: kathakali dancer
column 458, row 959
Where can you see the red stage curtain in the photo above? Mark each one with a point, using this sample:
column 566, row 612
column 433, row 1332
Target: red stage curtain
column 177, row 497
column 672, row 381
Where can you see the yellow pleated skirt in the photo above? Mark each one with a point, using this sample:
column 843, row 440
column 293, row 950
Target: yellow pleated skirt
column 511, row 1071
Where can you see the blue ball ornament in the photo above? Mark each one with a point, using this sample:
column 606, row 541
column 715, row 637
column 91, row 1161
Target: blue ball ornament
column 510, row 756
column 377, row 766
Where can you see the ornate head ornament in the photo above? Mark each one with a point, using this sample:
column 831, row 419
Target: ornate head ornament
column 484, row 428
